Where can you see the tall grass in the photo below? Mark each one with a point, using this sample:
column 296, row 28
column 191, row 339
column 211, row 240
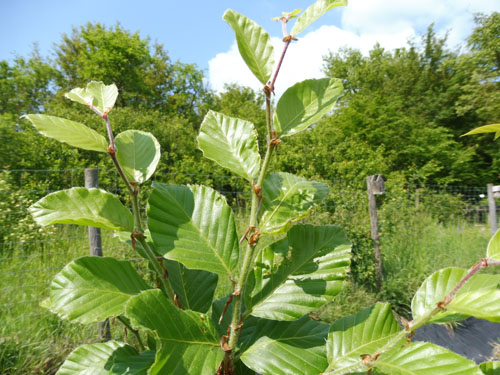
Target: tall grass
column 421, row 245
column 33, row 340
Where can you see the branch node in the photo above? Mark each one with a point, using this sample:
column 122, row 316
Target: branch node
column 289, row 38
column 249, row 230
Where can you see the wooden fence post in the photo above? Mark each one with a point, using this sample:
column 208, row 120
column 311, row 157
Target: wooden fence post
column 492, row 209
column 95, row 245
column 375, row 186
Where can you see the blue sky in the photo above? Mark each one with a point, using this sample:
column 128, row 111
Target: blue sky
column 194, row 32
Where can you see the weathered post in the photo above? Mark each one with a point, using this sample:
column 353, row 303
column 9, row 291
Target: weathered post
column 492, row 207
column 375, row 186
column 95, row 245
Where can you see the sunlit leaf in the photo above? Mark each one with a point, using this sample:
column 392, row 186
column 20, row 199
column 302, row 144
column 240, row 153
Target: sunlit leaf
column 313, row 263
column 91, row 289
column 101, row 96
column 254, row 44
column 440, row 284
column 231, row 143
column 493, row 128
column 425, row 359
column 70, row 132
column 313, row 12
column 189, row 342
column 138, row 153
column 284, row 348
column 286, row 199
column 481, row 304
column 363, row 333
column 93, row 359
column 195, row 226
column 305, row 103
column 493, row 250
column 82, row 206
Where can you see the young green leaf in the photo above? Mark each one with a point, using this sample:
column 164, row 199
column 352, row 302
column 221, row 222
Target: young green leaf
column 101, row 96
column 314, row 262
column 490, row 368
column 91, row 289
column 138, row 153
column 437, row 286
column 231, row 143
column 195, row 226
column 313, row 12
column 363, row 333
column 70, row 132
column 482, row 304
column 493, row 128
column 189, row 342
column 92, row 359
column 425, row 359
column 284, row 348
column 82, row 206
column 493, row 250
column 254, row 44
column 287, row 199
column 305, row 103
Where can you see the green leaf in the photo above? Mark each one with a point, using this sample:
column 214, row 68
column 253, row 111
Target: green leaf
column 91, row 289
column 293, row 14
column 195, row 226
column 127, row 361
column 493, row 250
column 314, row 262
column 482, row 304
column 437, row 286
column 363, row 333
column 195, row 288
column 284, row 348
column 254, row 44
column 231, row 143
column 305, row 103
column 70, row 132
column 82, row 206
column 93, row 359
column 189, row 341
column 138, row 153
column 425, row 359
column 490, row 368
column 313, row 12
column 287, row 199
column 493, row 128
column 101, row 96
column 107, row 358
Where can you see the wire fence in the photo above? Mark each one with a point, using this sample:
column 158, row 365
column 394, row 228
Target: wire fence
column 30, row 256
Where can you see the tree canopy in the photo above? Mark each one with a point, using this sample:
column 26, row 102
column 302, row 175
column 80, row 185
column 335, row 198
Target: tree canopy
column 403, row 111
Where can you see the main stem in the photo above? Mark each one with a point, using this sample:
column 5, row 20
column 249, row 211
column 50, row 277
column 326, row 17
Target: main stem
column 239, row 290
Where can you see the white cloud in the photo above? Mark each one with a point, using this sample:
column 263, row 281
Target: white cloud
column 364, row 23
column 304, row 58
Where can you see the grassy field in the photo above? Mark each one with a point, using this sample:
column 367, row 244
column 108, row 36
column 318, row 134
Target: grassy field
column 34, row 341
